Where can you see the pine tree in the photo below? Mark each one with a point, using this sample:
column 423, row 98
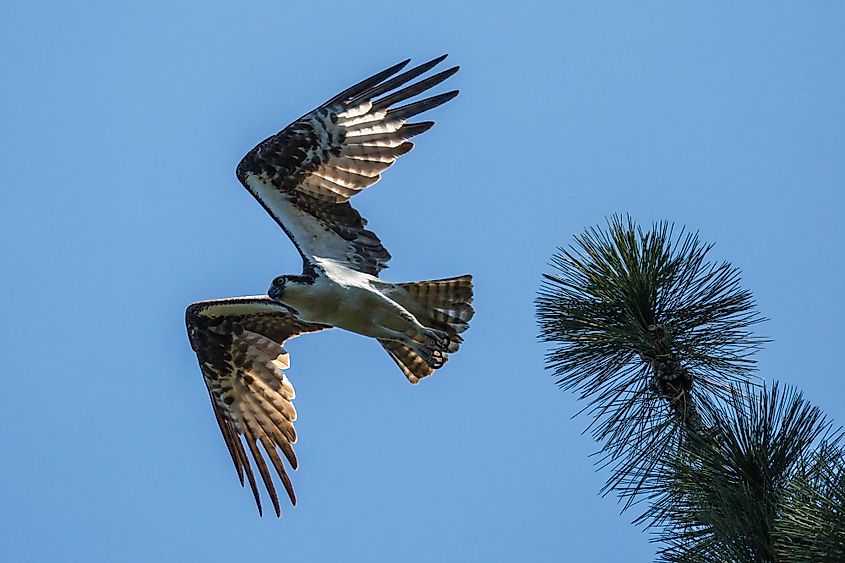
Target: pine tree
column 657, row 340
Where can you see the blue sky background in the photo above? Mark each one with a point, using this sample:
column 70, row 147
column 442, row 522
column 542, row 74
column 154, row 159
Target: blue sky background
column 121, row 128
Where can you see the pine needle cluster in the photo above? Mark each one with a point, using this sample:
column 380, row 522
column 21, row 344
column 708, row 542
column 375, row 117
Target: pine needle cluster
column 657, row 339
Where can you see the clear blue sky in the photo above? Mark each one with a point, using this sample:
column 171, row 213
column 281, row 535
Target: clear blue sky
column 121, row 128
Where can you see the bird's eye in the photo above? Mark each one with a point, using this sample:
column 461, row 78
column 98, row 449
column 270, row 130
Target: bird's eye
column 279, row 282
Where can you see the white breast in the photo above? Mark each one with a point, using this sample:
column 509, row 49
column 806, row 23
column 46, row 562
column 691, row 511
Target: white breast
column 343, row 298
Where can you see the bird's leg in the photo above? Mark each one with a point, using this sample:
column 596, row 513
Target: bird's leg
column 429, row 343
column 425, row 336
column 413, row 332
column 434, row 357
column 436, row 338
column 430, row 347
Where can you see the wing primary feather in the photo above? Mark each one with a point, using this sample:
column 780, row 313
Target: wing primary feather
column 390, row 140
column 251, row 478
column 413, row 89
column 416, row 108
column 239, row 345
column 262, row 467
column 385, row 155
column 283, row 444
column 282, row 425
column 297, row 175
column 280, row 469
column 260, row 417
column 367, row 83
column 265, row 402
column 396, row 81
column 230, row 439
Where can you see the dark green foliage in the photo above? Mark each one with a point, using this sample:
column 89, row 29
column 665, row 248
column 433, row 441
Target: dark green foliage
column 812, row 524
column 645, row 329
column 723, row 493
column 657, row 340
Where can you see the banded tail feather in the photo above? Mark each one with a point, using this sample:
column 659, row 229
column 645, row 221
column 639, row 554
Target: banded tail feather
column 444, row 305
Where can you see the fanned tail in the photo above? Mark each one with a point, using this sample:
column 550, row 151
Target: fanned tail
column 444, row 305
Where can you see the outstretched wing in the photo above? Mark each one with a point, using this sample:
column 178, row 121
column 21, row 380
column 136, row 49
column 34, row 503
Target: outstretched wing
column 238, row 343
column 305, row 174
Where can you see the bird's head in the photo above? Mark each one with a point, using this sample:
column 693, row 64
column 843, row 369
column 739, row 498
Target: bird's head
column 277, row 288
column 285, row 289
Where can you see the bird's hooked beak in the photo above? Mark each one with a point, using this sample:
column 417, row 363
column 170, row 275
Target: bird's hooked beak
column 274, row 292
column 277, row 288
column 277, row 292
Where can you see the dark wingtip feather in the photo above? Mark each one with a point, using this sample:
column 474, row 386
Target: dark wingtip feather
column 397, row 81
column 367, row 83
column 414, row 129
column 249, row 435
column 416, row 108
column 404, row 148
column 230, row 438
column 288, row 486
column 255, row 494
column 270, row 449
column 251, row 478
column 414, row 89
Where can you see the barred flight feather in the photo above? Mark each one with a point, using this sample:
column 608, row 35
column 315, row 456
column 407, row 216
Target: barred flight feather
column 411, row 364
column 305, row 175
column 353, row 182
column 374, row 154
column 371, row 127
column 364, row 167
column 239, row 345
column 394, row 139
column 360, row 114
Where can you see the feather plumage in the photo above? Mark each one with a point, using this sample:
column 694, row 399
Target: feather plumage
column 445, row 305
column 239, row 345
column 305, row 175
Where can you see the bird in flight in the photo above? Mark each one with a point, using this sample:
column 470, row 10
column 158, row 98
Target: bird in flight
column 304, row 176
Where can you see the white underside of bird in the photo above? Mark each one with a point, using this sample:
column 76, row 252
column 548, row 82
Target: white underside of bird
column 363, row 304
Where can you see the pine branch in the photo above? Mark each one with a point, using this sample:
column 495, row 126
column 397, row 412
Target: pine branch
column 724, row 494
column 649, row 333
column 812, row 525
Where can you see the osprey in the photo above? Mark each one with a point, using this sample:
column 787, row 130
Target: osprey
column 304, row 177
